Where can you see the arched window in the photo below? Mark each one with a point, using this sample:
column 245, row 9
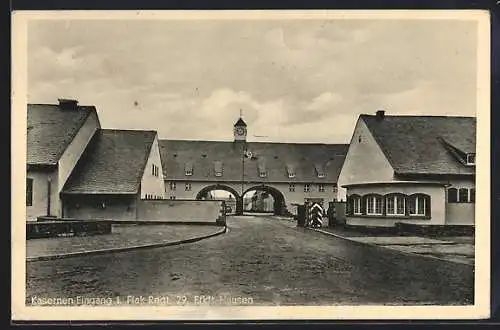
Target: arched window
column 355, row 204
column 419, row 205
column 452, row 195
column 463, row 195
column 395, row 204
column 374, row 204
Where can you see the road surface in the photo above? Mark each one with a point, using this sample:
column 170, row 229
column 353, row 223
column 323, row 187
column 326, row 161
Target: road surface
column 263, row 260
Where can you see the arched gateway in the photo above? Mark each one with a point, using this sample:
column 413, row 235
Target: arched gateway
column 279, row 207
column 239, row 200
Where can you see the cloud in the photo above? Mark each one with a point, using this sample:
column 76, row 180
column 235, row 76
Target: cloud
column 294, row 80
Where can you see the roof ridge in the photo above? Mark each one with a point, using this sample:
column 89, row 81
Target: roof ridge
column 258, row 142
column 128, row 130
column 421, row 116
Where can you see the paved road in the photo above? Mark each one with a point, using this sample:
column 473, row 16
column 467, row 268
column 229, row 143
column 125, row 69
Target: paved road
column 265, row 260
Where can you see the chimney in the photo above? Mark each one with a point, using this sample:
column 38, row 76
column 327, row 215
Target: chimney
column 380, row 114
column 68, row 104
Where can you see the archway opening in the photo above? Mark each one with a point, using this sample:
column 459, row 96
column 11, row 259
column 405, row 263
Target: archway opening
column 264, row 199
column 225, row 193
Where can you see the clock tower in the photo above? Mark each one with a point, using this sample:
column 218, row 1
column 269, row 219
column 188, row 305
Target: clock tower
column 240, row 130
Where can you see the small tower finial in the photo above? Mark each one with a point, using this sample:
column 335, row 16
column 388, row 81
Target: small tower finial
column 241, row 113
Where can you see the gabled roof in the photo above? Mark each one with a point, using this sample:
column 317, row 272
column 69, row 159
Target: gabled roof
column 240, row 122
column 414, row 144
column 50, row 131
column 113, row 163
column 276, row 156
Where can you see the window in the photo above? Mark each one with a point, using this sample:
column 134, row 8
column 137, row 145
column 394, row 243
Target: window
column 188, row 170
column 188, row 186
column 319, row 170
column 395, row 204
column 452, row 195
column 218, row 168
column 154, row 170
column 374, row 205
column 418, row 205
column 306, row 187
column 472, row 197
column 356, row 204
column 471, row 159
column 291, row 187
column 172, row 197
column 172, row 185
column 291, row 171
column 321, row 187
column 463, row 195
column 262, row 169
column 29, row 191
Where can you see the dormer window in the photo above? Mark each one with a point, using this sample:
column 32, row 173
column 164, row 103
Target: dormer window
column 262, row 170
column 218, row 168
column 471, row 159
column 291, row 171
column 188, row 169
column 320, row 172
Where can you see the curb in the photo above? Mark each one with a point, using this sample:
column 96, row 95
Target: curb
column 392, row 249
column 125, row 249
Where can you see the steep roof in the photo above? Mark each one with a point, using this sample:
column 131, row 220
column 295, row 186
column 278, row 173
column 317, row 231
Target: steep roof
column 113, row 163
column 274, row 158
column 418, row 144
column 51, row 129
column 240, row 122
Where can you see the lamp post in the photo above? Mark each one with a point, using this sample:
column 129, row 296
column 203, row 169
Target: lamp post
column 49, row 190
column 243, row 155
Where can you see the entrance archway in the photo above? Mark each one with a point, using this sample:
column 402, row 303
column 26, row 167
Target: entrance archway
column 203, row 193
column 279, row 206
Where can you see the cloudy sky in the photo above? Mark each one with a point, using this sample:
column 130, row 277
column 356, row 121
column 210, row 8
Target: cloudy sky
column 296, row 81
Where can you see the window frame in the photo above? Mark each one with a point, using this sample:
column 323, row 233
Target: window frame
column 29, row 192
column 377, row 199
column 395, row 198
column 188, row 186
column 321, row 187
column 291, row 187
column 173, row 185
column 473, row 155
column 417, row 199
column 452, row 192
column 307, row 187
column 356, row 201
column 465, row 198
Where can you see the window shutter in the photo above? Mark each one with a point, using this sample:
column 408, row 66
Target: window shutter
column 350, row 205
column 363, row 205
column 427, row 206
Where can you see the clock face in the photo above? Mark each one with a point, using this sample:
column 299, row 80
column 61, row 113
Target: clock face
column 240, row 131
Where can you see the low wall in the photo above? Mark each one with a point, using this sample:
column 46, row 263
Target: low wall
column 45, row 228
column 196, row 211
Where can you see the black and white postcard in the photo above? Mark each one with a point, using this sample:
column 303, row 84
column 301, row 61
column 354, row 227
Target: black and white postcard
column 244, row 165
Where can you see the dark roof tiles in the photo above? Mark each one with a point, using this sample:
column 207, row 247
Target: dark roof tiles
column 204, row 155
column 414, row 144
column 113, row 162
column 51, row 129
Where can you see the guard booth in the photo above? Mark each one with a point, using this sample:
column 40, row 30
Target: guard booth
column 310, row 214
